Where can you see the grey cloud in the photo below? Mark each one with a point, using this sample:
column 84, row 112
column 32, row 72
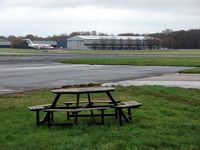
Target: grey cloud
column 106, row 3
column 174, row 6
column 124, row 15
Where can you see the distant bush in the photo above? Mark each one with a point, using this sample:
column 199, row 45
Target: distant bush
column 18, row 43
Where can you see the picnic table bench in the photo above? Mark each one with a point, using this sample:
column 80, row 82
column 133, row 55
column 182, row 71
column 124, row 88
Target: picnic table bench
column 76, row 111
column 129, row 105
column 91, row 103
column 39, row 108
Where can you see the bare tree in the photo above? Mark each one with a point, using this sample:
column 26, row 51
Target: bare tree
column 157, row 43
column 129, row 43
column 113, row 43
column 86, row 33
column 137, row 44
column 121, row 43
column 94, row 33
column 17, row 42
column 104, row 43
column 149, row 42
column 167, row 37
column 102, row 34
column 30, row 36
column 74, row 34
column 94, row 45
column 11, row 37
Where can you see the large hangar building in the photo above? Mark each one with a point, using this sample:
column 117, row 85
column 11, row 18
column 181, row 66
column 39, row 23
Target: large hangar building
column 113, row 43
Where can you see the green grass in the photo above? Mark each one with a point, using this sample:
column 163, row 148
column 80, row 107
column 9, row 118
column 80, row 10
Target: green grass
column 193, row 70
column 180, row 52
column 186, row 53
column 144, row 61
column 168, row 119
column 15, row 51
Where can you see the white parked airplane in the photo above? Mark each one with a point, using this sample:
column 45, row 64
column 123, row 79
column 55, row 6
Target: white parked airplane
column 38, row 46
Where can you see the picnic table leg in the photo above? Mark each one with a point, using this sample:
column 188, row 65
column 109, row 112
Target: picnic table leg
column 111, row 98
column 102, row 116
column 67, row 113
column 76, row 119
column 53, row 104
column 49, row 118
column 129, row 113
column 90, row 104
column 55, row 100
column 37, row 117
column 116, row 114
column 52, row 117
column 76, row 113
column 115, row 103
column 77, row 100
column 120, row 116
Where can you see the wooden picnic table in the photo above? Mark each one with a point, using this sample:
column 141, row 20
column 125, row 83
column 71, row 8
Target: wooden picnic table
column 73, row 108
column 85, row 90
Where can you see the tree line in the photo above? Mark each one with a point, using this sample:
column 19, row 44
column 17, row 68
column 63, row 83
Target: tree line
column 179, row 39
column 170, row 39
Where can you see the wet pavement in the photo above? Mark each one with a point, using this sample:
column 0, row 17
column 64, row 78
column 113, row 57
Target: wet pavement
column 31, row 76
column 171, row 80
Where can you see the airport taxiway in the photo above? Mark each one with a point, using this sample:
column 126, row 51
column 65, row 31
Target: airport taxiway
column 28, row 76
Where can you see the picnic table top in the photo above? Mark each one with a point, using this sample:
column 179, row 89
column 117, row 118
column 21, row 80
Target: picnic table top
column 83, row 90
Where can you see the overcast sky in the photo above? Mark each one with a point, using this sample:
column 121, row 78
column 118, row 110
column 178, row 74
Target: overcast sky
column 50, row 17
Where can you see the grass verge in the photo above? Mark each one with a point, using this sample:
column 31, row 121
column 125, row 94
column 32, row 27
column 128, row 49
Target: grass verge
column 157, row 61
column 168, row 119
column 179, row 52
column 164, row 53
column 16, row 51
column 193, row 70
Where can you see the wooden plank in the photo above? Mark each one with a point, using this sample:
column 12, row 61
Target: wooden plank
column 127, row 105
column 93, row 108
column 92, row 101
column 74, row 110
column 39, row 107
column 83, row 90
column 132, row 102
column 60, row 110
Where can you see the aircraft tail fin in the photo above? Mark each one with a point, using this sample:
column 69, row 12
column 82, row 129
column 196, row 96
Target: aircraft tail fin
column 30, row 43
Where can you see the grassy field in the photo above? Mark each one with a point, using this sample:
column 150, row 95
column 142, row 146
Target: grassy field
column 194, row 70
column 188, row 52
column 145, row 61
column 168, row 119
column 15, row 51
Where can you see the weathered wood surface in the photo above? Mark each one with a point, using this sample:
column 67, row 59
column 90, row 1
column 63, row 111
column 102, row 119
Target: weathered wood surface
column 129, row 104
column 39, row 107
column 83, row 90
column 75, row 110
column 92, row 101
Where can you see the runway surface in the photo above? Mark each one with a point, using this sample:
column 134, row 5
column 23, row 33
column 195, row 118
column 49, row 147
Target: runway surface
column 28, row 76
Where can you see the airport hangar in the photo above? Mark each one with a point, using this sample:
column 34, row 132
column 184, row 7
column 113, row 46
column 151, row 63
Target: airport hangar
column 4, row 43
column 112, row 42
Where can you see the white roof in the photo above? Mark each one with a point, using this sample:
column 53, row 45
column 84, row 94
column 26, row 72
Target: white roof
column 80, row 37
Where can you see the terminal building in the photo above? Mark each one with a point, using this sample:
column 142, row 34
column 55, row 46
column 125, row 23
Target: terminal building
column 113, row 43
